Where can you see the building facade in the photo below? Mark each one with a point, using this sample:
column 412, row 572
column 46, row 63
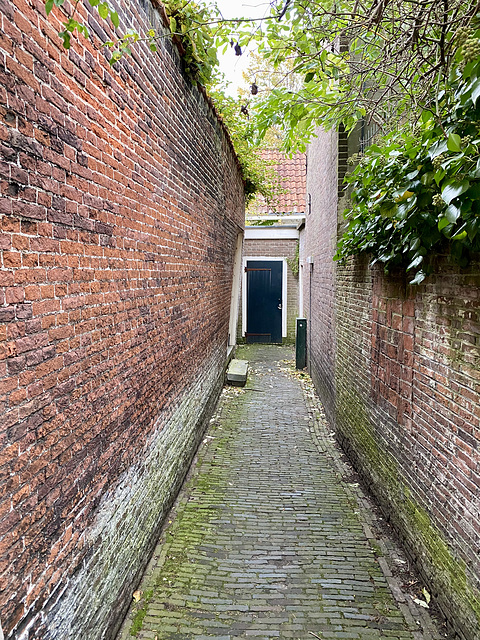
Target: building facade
column 271, row 283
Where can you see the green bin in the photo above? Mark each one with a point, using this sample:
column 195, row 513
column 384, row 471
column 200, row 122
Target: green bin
column 301, row 344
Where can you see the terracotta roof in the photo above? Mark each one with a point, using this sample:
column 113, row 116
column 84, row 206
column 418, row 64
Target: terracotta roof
column 292, row 175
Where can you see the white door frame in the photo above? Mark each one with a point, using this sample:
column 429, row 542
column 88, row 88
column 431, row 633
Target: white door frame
column 235, row 298
column 284, row 291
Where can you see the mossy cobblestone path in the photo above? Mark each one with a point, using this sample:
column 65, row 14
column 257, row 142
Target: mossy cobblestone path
column 266, row 540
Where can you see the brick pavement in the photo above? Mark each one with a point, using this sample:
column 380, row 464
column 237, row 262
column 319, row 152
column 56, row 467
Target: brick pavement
column 268, row 538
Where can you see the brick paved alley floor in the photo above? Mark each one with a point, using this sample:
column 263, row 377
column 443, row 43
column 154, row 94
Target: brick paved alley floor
column 270, row 537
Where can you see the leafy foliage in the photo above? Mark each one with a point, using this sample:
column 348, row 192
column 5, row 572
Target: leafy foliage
column 398, row 63
column 354, row 58
column 419, row 192
column 259, row 177
column 72, row 24
column 190, row 26
column 375, row 58
column 189, row 21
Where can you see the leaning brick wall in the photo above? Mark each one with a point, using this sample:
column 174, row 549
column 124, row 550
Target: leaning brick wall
column 121, row 204
column 279, row 248
column 405, row 384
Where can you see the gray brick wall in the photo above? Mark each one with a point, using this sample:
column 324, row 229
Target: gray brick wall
column 319, row 276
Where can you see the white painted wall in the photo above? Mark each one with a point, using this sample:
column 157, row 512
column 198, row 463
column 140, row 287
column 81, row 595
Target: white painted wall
column 235, row 301
column 271, row 233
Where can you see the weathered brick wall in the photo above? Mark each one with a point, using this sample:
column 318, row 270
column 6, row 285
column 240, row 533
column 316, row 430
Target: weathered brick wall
column 318, row 276
column 121, row 204
column 277, row 248
column 405, row 405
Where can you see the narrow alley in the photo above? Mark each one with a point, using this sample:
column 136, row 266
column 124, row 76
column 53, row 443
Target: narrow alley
column 271, row 536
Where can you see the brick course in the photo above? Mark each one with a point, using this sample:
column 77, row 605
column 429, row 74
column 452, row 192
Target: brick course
column 398, row 370
column 121, row 204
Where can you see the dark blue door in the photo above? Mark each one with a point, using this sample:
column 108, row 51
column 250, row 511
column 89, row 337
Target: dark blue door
column 264, row 301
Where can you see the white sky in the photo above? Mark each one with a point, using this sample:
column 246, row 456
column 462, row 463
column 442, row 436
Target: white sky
column 230, row 64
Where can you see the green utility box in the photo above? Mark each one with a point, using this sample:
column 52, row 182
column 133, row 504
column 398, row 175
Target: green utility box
column 301, row 344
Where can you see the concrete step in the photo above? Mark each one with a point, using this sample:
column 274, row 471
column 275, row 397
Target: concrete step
column 237, row 372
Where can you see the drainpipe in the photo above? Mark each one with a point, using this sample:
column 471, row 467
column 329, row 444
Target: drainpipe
column 309, row 328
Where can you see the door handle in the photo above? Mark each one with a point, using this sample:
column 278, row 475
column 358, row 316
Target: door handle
column 279, row 306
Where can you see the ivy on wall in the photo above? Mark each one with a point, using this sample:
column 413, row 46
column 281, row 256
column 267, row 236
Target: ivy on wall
column 294, row 263
column 417, row 193
column 198, row 30
column 189, row 21
column 189, row 25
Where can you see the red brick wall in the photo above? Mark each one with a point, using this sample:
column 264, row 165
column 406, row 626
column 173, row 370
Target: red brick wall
column 278, row 248
column 121, row 203
column 401, row 386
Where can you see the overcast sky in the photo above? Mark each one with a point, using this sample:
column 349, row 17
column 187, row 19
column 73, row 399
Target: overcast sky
column 232, row 65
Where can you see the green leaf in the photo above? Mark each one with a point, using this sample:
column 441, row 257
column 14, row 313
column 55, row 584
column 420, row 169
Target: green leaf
column 116, row 55
column 476, row 91
column 153, row 46
column 454, row 142
column 452, row 189
column 415, row 262
column 93, row 3
column 460, row 236
column 419, row 278
column 309, row 77
column 427, row 178
column 83, row 30
column 412, row 174
column 66, row 39
column 439, row 175
column 439, row 147
column 388, row 210
column 442, row 223
column 476, row 172
column 71, row 25
column 114, row 18
column 426, row 116
column 472, row 228
column 103, row 10
column 452, row 213
column 404, row 196
column 48, row 6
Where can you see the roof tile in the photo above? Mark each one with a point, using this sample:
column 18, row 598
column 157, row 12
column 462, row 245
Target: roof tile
column 292, row 174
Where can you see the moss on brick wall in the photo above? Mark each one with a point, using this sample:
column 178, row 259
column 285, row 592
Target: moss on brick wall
column 370, row 424
column 444, row 573
column 122, row 202
column 398, row 371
